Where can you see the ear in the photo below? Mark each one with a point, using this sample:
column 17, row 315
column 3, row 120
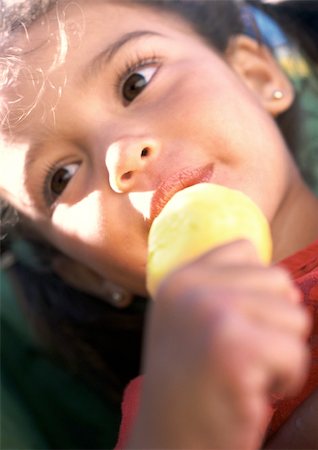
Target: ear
column 84, row 279
column 258, row 69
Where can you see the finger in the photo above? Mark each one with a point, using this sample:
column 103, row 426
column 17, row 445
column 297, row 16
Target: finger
column 256, row 278
column 253, row 297
column 273, row 311
column 236, row 252
column 286, row 359
column 256, row 358
column 208, row 273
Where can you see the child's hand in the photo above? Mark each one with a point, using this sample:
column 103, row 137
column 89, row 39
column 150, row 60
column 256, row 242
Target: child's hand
column 223, row 334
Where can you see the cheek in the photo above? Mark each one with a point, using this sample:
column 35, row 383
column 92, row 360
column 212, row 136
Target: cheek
column 198, row 99
column 235, row 132
column 82, row 220
column 82, row 230
column 101, row 239
column 206, row 115
column 12, row 162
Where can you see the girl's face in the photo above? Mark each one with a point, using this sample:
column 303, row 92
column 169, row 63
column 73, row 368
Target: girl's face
column 139, row 104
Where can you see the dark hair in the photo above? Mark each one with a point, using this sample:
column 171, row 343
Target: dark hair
column 299, row 19
column 97, row 342
column 96, row 339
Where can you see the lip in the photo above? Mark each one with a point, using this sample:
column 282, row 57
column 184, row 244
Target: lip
column 176, row 182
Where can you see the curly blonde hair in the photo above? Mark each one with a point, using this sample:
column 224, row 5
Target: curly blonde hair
column 16, row 13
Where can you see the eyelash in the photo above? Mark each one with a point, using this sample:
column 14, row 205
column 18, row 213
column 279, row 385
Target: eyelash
column 130, row 65
column 47, row 177
column 49, row 172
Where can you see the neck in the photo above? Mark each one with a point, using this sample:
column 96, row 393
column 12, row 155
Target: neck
column 296, row 224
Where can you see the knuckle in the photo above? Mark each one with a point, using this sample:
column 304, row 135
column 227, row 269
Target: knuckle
column 174, row 283
column 299, row 366
column 237, row 251
column 280, row 276
column 306, row 321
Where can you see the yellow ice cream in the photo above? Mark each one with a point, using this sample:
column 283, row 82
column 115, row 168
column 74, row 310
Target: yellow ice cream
column 198, row 218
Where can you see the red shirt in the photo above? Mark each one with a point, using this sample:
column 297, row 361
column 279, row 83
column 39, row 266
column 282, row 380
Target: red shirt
column 303, row 267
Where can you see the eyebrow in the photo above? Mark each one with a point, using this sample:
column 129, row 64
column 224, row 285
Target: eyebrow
column 31, row 158
column 37, row 149
column 105, row 56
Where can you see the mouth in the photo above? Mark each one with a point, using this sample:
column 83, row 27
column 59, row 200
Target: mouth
column 176, row 182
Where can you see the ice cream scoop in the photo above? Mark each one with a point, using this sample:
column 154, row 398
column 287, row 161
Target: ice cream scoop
column 197, row 219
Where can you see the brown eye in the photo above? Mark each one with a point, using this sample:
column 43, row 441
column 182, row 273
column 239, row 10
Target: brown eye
column 136, row 82
column 61, row 178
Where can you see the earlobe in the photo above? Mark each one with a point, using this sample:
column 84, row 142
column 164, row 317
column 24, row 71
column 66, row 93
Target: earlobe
column 259, row 70
column 84, row 279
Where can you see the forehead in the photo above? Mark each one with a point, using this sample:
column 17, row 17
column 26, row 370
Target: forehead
column 55, row 50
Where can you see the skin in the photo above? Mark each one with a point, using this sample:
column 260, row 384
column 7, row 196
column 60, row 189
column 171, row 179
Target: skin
column 101, row 220
column 219, row 352
column 107, row 137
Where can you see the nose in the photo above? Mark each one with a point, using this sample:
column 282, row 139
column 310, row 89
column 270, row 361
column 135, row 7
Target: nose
column 127, row 160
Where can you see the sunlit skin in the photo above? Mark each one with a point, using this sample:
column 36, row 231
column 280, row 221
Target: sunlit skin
column 195, row 112
column 225, row 329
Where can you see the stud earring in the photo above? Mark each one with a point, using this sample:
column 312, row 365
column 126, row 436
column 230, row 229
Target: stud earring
column 277, row 94
column 116, row 295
